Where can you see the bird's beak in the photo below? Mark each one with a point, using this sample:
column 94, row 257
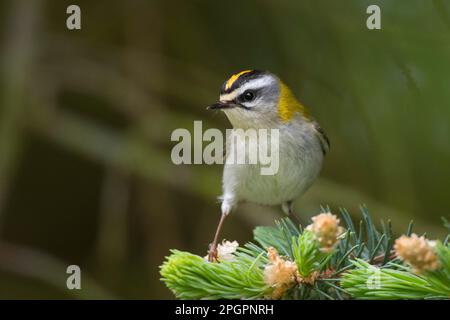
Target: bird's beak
column 223, row 105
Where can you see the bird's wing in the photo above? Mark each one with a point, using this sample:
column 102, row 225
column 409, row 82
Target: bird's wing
column 324, row 141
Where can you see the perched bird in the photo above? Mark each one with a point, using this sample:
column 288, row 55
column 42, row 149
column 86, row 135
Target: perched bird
column 253, row 99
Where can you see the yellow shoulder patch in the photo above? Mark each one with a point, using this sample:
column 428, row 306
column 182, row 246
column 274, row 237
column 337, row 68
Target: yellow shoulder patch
column 288, row 105
column 234, row 77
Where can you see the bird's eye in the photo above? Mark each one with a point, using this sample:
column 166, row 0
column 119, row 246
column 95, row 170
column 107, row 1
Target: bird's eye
column 247, row 96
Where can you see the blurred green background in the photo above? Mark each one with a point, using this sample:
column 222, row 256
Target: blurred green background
column 86, row 117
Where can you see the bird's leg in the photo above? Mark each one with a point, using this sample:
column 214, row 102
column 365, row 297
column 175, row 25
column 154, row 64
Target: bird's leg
column 294, row 217
column 289, row 210
column 212, row 253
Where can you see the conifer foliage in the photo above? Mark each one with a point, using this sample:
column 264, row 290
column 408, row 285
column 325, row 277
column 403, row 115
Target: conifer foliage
column 325, row 260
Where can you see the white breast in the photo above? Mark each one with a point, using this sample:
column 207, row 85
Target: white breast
column 300, row 161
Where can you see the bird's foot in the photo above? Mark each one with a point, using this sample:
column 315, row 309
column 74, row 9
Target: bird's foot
column 212, row 253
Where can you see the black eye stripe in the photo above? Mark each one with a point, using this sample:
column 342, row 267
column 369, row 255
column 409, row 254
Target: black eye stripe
column 245, row 97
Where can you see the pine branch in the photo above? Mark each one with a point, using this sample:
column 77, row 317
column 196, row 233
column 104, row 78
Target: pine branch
column 323, row 261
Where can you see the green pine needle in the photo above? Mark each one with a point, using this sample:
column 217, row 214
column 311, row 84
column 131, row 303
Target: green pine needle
column 307, row 254
column 189, row 276
column 370, row 282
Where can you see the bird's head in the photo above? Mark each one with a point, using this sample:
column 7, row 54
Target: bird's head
column 258, row 99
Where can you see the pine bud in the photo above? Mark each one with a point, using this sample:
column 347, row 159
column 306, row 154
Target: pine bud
column 417, row 252
column 279, row 273
column 326, row 229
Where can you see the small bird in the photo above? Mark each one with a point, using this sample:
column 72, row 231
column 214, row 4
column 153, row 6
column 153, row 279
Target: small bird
column 254, row 99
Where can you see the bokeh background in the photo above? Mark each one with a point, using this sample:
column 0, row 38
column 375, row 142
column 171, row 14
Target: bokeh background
column 86, row 117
